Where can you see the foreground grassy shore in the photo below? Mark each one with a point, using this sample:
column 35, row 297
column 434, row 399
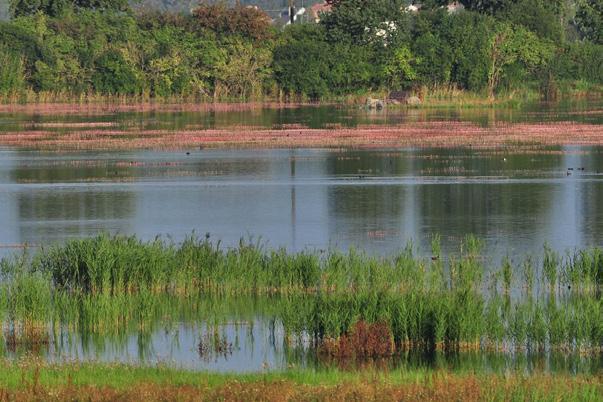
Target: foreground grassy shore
column 37, row 381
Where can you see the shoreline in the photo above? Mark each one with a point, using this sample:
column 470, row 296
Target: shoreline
column 137, row 106
column 94, row 381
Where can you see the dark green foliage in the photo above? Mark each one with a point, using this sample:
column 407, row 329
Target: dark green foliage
column 433, row 49
column 248, row 22
column 487, row 6
column 365, row 22
column 537, row 16
column 579, row 61
column 301, row 61
column 223, row 52
column 22, row 41
column 12, row 72
column 58, row 7
column 468, row 37
column 113, row 75
column 589, row 20
column 306, row 63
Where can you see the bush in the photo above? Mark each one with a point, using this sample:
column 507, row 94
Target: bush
column 115, row 76
column 579, row 61
column 249, row 22
column 12, row 72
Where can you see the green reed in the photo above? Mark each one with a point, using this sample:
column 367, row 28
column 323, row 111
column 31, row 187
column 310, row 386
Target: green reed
column 115, row 285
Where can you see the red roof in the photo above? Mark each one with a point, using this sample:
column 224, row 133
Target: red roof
column 316, row 9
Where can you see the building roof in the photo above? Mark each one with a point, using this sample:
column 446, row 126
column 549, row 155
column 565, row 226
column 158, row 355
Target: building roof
column 319, row 8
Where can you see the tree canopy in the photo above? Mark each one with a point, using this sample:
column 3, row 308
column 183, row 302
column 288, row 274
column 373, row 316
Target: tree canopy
column 225, row 52
column 589, row 20
column 57, row 7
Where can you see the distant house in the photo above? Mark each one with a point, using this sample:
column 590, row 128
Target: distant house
column 317, row 9
column 413, row 8
column 455, row 7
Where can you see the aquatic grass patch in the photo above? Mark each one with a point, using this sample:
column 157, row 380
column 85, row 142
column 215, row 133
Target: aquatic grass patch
column 520, row 137
column 115, row 285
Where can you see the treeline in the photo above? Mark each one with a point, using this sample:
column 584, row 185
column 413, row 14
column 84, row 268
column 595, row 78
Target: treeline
column 79, row 47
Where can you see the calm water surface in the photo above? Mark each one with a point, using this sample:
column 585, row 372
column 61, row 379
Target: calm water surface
column 373, row 199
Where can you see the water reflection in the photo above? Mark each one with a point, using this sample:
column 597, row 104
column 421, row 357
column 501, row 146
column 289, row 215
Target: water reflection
column 373, row 199
column 258, row 343
column 581, row 110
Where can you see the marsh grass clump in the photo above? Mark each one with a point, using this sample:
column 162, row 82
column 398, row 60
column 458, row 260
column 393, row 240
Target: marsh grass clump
column 26, row 304
column 362, row 341
column 26, row 339
column 346, row 303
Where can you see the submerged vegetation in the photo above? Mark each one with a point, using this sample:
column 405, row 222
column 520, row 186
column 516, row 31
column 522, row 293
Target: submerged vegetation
column 90, row 50
column 520, row 137
column 344, row 305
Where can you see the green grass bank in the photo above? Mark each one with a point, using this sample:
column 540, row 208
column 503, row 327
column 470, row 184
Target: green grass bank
column 28, row 380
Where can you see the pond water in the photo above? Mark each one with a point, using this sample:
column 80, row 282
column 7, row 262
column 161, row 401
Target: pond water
column 373, row 199
column 306, row 198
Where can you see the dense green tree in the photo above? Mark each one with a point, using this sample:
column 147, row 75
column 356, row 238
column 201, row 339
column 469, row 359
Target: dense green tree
column 248, row 22
column 486, row 6
column 176, row 63
column 511, row 44
column 468, row 37
column 494, row 7
column 429, row 43
column 301, row 61
column 353, row 69
column 361, row 46
column 113, row 75
column 381, row 22
column 579, row 61
column 243, row 70
column 57, row 7
column 305, row 62
column 12, row 71
column 22, row 41
column 400, row 69
column 538, row 16
column 589, row 20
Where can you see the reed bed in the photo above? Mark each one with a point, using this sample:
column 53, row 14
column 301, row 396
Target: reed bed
column 114, row 265
column 400, row 303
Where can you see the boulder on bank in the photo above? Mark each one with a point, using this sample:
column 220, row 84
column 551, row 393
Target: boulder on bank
column 376, row 104
column 403, row 97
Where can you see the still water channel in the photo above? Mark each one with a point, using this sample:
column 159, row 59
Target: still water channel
column 376, row 200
